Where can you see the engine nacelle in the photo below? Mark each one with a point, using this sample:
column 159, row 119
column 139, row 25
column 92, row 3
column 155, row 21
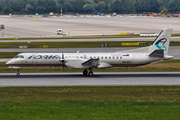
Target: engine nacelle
column 76, row 63
column 104, row 65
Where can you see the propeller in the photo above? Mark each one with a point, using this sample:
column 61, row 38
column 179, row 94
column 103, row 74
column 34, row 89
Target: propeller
column 62, row 60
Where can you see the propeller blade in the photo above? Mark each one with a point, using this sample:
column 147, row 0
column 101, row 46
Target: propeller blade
column 63, row 59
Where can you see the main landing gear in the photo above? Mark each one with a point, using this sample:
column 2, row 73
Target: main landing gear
column 85, row 73
column 18, row 74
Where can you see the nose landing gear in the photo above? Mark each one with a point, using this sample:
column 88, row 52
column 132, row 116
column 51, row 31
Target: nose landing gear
column 18, row 74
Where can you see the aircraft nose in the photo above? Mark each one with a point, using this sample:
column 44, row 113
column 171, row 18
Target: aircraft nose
column 9, row 62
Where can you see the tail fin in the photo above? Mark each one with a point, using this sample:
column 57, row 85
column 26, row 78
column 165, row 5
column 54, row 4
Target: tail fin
column 162, row 41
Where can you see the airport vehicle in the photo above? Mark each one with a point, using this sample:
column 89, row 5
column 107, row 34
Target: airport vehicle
column 154, row 14
column 162, row 14
column 59, row 32
column 156, row 52
column 176, row 15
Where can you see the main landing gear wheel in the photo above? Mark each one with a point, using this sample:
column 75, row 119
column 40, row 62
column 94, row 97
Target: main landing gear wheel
column 18, row 74
column 91, row 74
column 85, row 72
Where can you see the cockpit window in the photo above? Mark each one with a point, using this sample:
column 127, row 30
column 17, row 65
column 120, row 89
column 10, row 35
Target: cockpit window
column 19, row 56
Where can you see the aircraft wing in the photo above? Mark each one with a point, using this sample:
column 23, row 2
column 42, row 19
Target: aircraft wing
column 93, row 62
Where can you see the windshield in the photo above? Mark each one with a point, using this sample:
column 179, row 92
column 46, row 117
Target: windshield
column 19, row 56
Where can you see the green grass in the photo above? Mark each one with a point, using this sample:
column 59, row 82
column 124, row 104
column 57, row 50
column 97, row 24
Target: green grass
column 8, row 54
column 77, row 37
column 74, row 44
column 84, row 93
column 80, row 110
column 79, row 44
column 170, row 61
column 90, row 103
column 64, row 44
column 85, row 37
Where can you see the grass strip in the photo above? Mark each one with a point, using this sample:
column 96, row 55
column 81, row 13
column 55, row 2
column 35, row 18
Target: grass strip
column 86, row 37
column 78, row 37
column 8, row 54
column 92, row 44
column 79, row 44
column 90, row 110
column 87, row 103
column 91, row 93
column 165, row 66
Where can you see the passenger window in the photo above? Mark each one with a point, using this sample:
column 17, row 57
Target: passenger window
column 105, row 57
column 113, row 57
column 116, row 57
column 109, row 57
column 101, row 57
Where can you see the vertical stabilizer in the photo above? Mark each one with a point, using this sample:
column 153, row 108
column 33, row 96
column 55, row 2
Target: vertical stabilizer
column 162, row 41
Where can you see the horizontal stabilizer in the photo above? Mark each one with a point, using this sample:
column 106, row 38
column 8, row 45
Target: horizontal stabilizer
column 93, row 62
column 157, row 53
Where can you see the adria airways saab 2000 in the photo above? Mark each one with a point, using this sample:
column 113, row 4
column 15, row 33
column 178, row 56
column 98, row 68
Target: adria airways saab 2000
column 158, row 51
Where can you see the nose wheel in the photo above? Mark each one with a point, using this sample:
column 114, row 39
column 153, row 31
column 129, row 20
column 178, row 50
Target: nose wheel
column 18, row 74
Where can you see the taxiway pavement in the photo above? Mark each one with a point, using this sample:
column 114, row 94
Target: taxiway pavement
column 77, row 26
column 99, row 79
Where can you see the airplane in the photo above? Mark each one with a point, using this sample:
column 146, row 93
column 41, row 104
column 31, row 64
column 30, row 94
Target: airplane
column 156, row 52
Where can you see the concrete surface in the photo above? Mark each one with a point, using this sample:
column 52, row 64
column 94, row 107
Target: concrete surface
column 47, row 27
column 99, row 79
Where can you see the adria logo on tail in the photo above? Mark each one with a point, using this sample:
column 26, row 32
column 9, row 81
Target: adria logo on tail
column 160, row 44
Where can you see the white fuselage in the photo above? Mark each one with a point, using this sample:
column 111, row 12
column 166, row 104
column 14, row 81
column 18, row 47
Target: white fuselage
column 75, row 60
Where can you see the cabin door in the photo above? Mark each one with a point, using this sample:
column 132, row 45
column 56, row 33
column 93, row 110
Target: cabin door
column 34, row 59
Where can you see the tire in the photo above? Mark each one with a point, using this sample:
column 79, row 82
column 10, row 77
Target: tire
column 85, row 73
column 90, row 74
column 18, row 74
